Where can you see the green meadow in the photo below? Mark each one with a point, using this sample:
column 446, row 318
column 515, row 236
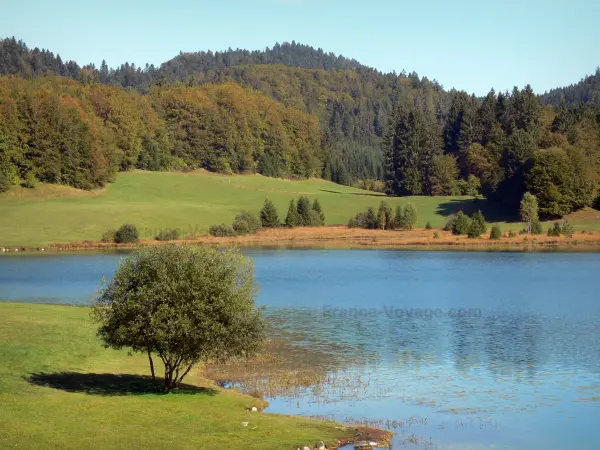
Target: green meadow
column 60, row 388
column 192, row 202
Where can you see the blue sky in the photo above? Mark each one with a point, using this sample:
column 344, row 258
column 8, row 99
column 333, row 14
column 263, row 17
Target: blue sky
column 467, row 44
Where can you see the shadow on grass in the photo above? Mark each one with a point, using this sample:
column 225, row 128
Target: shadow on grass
column 375, row 194
column 109, row 384
column 492, row 211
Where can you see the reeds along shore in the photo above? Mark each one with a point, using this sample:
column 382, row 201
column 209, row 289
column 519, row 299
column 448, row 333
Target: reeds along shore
column 344, row 237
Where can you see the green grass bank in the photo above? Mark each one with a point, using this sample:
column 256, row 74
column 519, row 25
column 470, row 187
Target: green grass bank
column 59, row 388
column 192, row 202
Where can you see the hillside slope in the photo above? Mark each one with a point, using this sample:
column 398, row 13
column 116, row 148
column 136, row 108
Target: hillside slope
column 190, row 202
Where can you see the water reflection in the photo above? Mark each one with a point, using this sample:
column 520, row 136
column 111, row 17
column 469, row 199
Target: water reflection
column 450, row 350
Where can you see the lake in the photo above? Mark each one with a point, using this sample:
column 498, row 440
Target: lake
column 451, row 350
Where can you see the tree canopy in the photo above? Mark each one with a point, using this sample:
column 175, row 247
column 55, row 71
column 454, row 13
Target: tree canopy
column 294, row 111
column 185, row 304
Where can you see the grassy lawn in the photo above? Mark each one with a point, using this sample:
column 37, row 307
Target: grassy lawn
column 194, row 201
column 59, row 388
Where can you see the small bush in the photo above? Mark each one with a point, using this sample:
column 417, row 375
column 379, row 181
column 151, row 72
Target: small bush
column 109, row 236
column 428, row 225
column 495, row 234
column 127, row 234
column 30, row 181
column 222, row 230
column 361, row 220
column 241, row 227
column 461, row 224
column 511, row 234
column 555, row 230
column 536, row 227
column 477, row 226
column 5, row 183
column 568, row 229
column 247, row 222
column 450, row 223
column 436, row 235
column 168, row 234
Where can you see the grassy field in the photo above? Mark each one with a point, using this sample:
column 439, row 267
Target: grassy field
column 194, row 201
column 59, row 388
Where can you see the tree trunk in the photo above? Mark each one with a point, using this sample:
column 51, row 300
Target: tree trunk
column 184, row 373
column 152, row 369
column 151, row 366
column 168, row 379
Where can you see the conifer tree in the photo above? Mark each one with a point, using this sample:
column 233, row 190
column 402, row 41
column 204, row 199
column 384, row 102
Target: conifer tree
column 268, row 215
column 304, row 209
column 371, row 221
column 477, row 226
column 385, row 216
column 292, row 219
column 317, row 207
column 409, row 217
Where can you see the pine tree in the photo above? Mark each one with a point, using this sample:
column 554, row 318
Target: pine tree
column 268, row 215
column 486, row 118
column 292, row 219
column 371, row 221
column 303, row 208
column 477, row 226
column 317, row 207
column 409, row 217
column 398, row 217
column 410, row 146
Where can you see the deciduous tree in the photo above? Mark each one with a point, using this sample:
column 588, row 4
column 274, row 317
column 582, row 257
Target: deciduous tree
column 185, row 304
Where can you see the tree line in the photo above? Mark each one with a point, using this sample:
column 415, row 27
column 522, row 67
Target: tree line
column 300, row 214
column 502, row 146
column 58, row 130
column 351, row 102
column 294, row 111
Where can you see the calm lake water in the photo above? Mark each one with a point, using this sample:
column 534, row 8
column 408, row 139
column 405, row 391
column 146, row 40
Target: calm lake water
column 451, row 350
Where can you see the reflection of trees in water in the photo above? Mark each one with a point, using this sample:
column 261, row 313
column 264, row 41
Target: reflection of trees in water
column 516, row 345
column 334, row 359
column 511, row 345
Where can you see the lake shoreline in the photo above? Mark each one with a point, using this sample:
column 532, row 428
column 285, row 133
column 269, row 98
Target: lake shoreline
column 341, row 237
column 279, row 426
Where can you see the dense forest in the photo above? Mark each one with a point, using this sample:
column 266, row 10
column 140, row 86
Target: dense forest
column 586, row 91
column 502, row 146
column 294, row 111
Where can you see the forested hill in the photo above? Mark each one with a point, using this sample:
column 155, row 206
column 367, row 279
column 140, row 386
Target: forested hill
column 586, row 91
column 16, row 58
column 293, row 111
column 351, row 102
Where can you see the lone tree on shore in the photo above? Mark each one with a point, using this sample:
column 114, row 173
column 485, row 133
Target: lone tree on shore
column 529, row 210
column 184, row 304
